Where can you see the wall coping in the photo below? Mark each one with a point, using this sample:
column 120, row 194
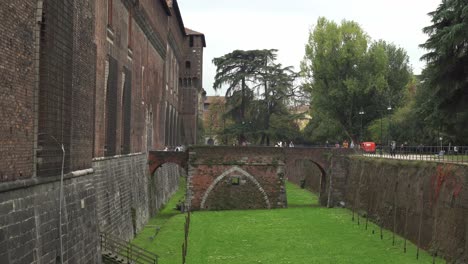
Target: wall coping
column 26, row 183
column 117, row 156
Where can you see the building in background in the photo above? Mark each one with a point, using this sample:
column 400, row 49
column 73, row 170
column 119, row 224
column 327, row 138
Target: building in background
column 213, row 119
column 191, row 83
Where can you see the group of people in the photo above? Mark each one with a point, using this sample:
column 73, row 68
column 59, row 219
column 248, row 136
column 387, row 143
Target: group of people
column 284, row 144
column 346, row 144
column 177, row 148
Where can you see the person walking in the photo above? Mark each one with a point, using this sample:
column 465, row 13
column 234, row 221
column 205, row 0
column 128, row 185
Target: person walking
column 392, row 148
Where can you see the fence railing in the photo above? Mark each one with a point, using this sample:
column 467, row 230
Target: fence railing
column 455, row 154
column 128, row 252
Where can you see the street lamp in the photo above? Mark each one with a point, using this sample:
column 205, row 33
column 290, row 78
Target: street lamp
column 389, row 108
column 361, row 113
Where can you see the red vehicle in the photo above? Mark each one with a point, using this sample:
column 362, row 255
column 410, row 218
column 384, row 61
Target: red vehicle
column 368, row 147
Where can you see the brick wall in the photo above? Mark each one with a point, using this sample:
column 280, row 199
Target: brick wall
column 127, row 196
column 29, row 221
column 17, row 82
column 143, row 53
column 235, row 178
column 415, row 199
column 84, row 68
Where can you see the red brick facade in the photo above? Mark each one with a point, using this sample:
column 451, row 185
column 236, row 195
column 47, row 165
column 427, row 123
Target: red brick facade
column 17, row 88
column 101, row 77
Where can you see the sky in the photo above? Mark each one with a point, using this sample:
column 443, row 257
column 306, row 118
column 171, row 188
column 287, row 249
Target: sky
column 284, row 25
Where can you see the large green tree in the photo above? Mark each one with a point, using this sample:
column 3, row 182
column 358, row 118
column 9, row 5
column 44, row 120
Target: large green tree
column 345, row 72
column 444, row 93
column 258, row 89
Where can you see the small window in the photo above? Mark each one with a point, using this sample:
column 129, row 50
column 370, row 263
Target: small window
column 191, row 41
column 109, row 13
column 130, row 22
column 187, row 65
column 235, row 180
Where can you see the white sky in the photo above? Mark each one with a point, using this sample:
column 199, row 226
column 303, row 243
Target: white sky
column 284, row 25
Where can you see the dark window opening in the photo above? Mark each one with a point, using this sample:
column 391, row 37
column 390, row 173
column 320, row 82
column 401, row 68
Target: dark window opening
column 191, row 41
column 55, row 87
column 111, row 109
column 130, row 18
column 109, row 13
column 187, row 65
column 126, row 112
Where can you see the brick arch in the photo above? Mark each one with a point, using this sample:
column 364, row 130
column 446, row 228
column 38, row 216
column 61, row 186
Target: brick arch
column 226, row 173
column 301, row 174
column 157, row 158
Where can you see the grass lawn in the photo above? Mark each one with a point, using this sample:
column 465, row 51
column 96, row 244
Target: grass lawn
column 303, row 233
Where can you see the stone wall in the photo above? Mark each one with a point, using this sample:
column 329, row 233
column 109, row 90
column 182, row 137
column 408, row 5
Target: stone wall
column 162, row 185
column 29, row 220
column 414, row 198
column 126, row 196
column 117, row 196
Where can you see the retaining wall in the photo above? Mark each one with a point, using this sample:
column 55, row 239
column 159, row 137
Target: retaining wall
column 116, row 196
column 413, row 198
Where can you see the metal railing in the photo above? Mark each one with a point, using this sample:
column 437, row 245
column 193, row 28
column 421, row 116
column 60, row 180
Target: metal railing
column 450, row 154
column 127, row 252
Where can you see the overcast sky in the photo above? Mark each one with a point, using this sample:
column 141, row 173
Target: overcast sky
column 284, row 25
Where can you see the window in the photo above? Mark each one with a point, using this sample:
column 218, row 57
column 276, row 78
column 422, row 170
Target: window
column 111, row 109
column 235, row 180
column 187, row 64
column 130, row 21
column 191, row 41
column 55, row 88
column 109, row 13
column 126, row 111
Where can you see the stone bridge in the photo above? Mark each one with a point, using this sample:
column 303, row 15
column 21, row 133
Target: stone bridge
column 254, row 177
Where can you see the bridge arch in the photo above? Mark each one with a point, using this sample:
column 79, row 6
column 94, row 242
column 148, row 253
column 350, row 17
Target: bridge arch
column 157, row 158
column 310, row 175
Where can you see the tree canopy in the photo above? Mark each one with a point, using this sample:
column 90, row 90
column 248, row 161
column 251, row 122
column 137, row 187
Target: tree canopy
column 258, row 92
column 444, row 90
column 346, row 72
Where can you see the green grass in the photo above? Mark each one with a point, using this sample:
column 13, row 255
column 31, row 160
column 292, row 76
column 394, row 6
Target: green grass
column 167, row 244
column 303, row 233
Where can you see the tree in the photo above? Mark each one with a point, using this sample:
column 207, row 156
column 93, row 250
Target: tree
column 257, row 88
column 345, row 74
column 278, row 88
column 445, row 84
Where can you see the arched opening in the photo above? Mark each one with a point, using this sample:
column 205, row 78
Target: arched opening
column 163, row 183
column 210, row 141
column 312, row 177
column 235, row 189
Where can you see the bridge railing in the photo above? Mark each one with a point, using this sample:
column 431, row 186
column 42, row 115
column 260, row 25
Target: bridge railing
column 450, row 154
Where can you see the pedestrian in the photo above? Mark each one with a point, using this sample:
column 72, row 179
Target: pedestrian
column 392, row 148
column 291, row 144
column 345, row 144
